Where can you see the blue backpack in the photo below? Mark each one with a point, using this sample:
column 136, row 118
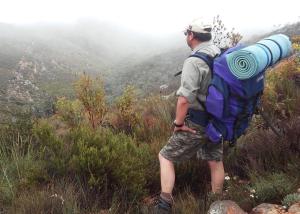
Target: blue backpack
column 230, row 102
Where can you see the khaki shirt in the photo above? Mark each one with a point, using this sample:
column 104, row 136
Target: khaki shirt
column 196, row 76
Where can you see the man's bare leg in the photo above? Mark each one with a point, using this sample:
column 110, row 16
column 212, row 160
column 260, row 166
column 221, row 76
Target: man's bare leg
column 217, row 175
column 167, row 175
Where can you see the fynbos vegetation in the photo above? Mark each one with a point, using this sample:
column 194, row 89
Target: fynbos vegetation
column 95, row 156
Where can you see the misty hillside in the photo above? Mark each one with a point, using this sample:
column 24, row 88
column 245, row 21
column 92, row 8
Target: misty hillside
column 289, row 30
column 160, row 69
column 40, row 62
column 85, row 46
column 149, row 74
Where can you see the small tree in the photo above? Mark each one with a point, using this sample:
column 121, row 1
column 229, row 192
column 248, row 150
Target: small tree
column 127, row 110
column 92, row 96
column 71, row 112
column 222, row 37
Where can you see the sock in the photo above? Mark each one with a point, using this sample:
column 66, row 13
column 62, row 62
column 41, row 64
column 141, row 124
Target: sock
column 167, row 197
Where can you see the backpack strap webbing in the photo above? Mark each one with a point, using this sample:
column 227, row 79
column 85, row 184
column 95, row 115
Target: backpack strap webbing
column 280, row 49
column 209, row 60
column 270, row 51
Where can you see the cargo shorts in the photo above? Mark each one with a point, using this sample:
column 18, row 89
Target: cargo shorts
column 184, row 145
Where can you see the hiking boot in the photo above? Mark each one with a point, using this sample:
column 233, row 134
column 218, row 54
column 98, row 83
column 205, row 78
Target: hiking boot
column 162, row 207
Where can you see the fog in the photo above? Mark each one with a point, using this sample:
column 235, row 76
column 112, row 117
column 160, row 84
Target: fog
column 48, row 43
column 158, row 18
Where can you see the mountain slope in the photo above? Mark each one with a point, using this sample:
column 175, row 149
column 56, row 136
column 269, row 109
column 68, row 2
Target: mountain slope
column 50, row 57
column 157, row 70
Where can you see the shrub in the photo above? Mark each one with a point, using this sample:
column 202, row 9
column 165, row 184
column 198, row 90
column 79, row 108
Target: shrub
column 291, row 199
column 59, row 200
column 157, row 115
column 50, row 148
column 296, row 43
column 281, row 96
column 261, row 150
column 70, row 112
column 272, row 187
column 127, row 116
column 19, row 166
column 92, row 97
column 111, row 160
column 19, row 174
column 222, row 37
column 114, row 162
column 194, row 173
column 18, row 132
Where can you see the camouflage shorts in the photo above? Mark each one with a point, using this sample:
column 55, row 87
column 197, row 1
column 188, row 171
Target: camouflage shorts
column 184, row 145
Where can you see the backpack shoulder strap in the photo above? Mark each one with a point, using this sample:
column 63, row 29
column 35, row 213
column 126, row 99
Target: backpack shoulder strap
column 209, row 60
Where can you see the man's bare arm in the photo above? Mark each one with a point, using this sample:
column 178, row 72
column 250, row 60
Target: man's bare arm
column 181, row 111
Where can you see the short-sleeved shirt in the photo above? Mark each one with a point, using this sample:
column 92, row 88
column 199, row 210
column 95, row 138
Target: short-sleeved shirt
column 196, row 76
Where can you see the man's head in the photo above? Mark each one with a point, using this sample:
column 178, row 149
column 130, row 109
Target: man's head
column 198, row 31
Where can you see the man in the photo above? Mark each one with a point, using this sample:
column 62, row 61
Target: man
column 188, row 137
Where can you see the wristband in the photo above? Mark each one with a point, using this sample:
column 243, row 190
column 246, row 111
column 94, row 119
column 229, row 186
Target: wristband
column 177, row 125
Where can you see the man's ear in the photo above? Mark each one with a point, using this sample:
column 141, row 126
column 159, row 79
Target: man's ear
column 192, row 35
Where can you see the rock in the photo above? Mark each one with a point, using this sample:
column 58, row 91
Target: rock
column 268, row 209
column 225, row 207
column 294, row 209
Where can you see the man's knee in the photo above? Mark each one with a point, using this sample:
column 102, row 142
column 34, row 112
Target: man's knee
column 159, row 156
column 215, row 162
column 162, row 159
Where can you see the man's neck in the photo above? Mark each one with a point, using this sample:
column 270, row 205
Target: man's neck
column 195, row 44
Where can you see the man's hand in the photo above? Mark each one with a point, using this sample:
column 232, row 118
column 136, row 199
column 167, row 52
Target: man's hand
column 185, row 129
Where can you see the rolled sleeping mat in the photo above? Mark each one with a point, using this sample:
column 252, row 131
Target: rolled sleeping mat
column 278, row 47
column 247, row 62
column 250, row 61
column 284, row 43
column 271, row 49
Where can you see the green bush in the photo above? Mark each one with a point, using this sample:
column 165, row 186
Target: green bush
column 272, row 187
column 109, row 161
column 157, row 115
column 239, row 192
column 290, row 199
column 91, row 94
column 50, row 148
column 19, row 166
column 70, row 112
column 127, row 116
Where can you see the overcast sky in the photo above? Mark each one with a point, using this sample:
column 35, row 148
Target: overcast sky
column 156, row 17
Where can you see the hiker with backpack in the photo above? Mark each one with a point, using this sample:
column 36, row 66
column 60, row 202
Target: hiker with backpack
column 218, row 96
column 189, row 133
